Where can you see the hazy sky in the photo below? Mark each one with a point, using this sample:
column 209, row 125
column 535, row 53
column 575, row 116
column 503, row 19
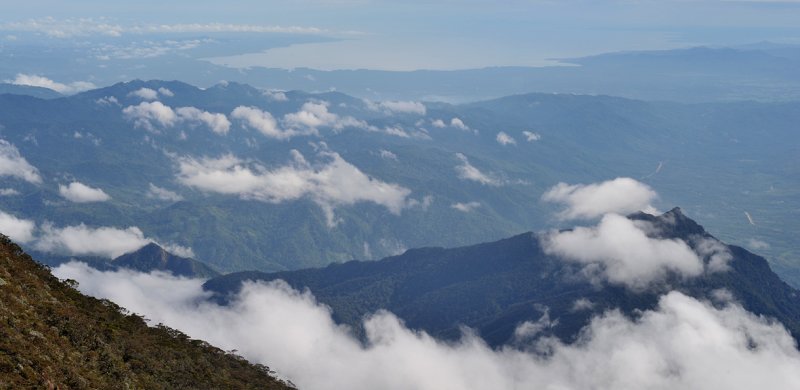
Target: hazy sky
column 450, row 34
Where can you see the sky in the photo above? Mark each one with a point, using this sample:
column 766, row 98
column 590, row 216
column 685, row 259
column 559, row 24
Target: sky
column 451, row 34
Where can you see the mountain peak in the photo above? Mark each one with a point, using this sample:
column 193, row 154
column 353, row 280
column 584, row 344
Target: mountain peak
column 153, row 257
column 672, row 224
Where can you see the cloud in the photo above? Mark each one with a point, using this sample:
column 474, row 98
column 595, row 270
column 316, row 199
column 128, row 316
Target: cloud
column 165, row 92
column 149, row 114
column 438, row 123
column 81, row 193
column 218, row 123
column 13, row 164
column 156, row 192
column 315, row 114
column 622, row 195
column 265, row 123
column 8, row 192
column 619, row 251
column 81, row 240
column 107, row 242
column 275, row 95
column 81, row 27
column 468, row 172
column 44, row 82
column 757, row 244
column 505, row 139
column 387, row 155
column 152, row 115
column 466, row 207
column 683, row 343
column 531, row 136
column 145, row 94
column 330, row 184
column 459, row 124
column 398, row 106
column 107, row 101
column 19, row 230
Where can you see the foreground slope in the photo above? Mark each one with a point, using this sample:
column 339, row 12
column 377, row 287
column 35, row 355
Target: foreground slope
column 54, row 337
column 494, row 287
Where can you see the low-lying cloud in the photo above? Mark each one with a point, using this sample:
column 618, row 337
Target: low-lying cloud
column 683, row 343
column 156, row 192
column 585, row 201
column 620, row 252
column 467, row 171
column 81, row 193
column 398, row 107
column 330, row 183
column 13, row 164
column 153, row 116
column 18, row 229
column 505, row 139
column 43, row 82
column 265, row 123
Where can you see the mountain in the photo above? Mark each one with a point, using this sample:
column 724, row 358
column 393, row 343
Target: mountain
column 54, row 337
column 494, row 287
column 152, row 257
column 39, row 92
column 429, row 174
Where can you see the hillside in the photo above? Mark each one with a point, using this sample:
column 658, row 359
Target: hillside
column 152, row 257
column 493, row 287
column 54, row 337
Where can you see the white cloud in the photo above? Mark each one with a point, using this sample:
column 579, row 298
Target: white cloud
column 146, row 114
column 152, row 115
column 19, row 230
column 622, row 195
column 275, row 95
column 682, row 343
column 266, row 124
column 165, row 92
column 107, row 101
column 81, row 240
column 468, row 172
column 81, row 193
column 505, row 139
column 757, row 244
column 13, row 164
column 156, row 192
column 387, row 155
column 466, row 207
column 531, row 136
column 44, row 82
column 8, row 192
column 459, row 124
column 619, row 251
column 399, row 106
column 71, row 27
column 438, row 123
column 218, row 123
column 107, row 242
column 145, row 94
column 331, row 184
column 315, row 114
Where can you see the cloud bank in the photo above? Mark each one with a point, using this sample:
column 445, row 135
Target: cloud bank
column 18, row 229
column 585, row 201
column 44, row 82
column 13, row 164
column 265, row 123
column 81, row 193
column 330, row 184
column 683, row 343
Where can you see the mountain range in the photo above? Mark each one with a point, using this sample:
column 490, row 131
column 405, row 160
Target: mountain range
column 438, row 174
column 495, row 287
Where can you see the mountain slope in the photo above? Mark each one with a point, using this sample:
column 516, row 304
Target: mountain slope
column 494, row 287
column 54, row 337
